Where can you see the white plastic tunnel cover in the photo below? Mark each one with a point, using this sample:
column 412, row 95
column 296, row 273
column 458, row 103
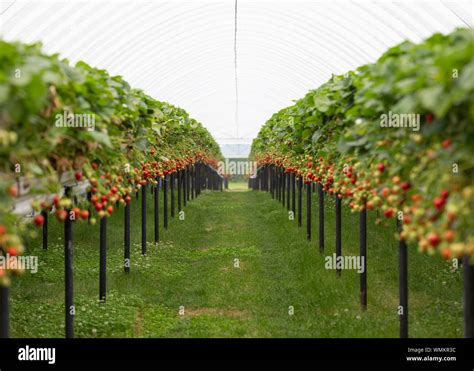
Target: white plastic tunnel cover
column 230, row 64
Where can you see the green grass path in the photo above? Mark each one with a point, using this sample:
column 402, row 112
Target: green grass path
column 235, row 267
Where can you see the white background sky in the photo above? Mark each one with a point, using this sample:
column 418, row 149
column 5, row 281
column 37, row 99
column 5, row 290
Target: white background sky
column 183, row 52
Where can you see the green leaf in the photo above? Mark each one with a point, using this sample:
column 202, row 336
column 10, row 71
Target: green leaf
column 100, row 137
column 307, row 133
column 322, row 103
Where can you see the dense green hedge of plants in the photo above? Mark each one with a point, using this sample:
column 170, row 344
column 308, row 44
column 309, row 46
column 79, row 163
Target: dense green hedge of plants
column 58, row 119
column 396, row 135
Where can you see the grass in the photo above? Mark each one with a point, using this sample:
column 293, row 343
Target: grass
column 234, row 267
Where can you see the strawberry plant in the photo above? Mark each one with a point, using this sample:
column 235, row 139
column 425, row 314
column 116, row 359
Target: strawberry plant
column 58, row 119
column 335, row 136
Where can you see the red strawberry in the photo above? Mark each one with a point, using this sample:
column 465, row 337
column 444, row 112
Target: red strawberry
column 388, row 213
column 449, row 235
column 434, row 239
column 446, row 143
column 12, row 191
column 439, row 203
column 446, row 254
column 12, row 251
column 405, row 186
column 381, row 167
column 61, row 215
column 39, row 220
column 56, row 200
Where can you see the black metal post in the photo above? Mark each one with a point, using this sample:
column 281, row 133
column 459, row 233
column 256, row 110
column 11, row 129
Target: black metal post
column 180, row 175
column 144, row 219
column 4, row 312
column 44, row 214
column 300, row 201
column 188, row 183
column 338, row 235
column 184, row 185
column 288, row 190
column 68, row 274
column 293, row 193
column 283, row 187
column 403, row 282
column 157, row 211
column 89, row 196
column 172, row 178
column 280, row 185
column 363, row 257
column 193, row 183
column 468, row 300
column 103, row 259
column 308, row 211
column 321, row 218
column 272, row 181
column 277, row 184
column 165, row 201
column 126, row 238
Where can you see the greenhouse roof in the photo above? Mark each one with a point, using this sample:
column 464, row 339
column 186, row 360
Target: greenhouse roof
column 230, row 64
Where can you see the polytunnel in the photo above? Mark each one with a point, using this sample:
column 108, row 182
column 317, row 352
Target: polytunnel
column 236, row 179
